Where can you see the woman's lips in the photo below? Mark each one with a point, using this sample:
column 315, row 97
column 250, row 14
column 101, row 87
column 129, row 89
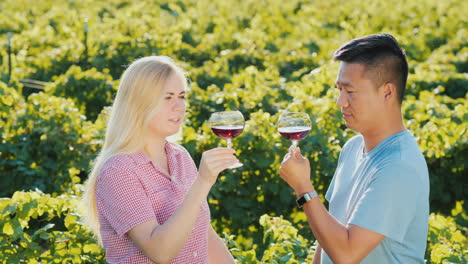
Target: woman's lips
column 175, row 120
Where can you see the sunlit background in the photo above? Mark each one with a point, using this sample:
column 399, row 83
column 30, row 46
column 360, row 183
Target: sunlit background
column 60, row 67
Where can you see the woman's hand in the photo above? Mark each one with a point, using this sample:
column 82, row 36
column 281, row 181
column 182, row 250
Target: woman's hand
column 215, row 161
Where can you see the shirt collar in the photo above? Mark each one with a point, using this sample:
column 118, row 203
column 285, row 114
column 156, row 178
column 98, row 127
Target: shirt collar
column 141, row 157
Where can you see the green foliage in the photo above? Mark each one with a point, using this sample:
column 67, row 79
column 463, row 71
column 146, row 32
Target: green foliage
column 282, row 242
column 439, row 124
column 445, row 72
column 10, row 103
column 447, row 242
column 90, row 90
column 38, row 228
column 261, row 57
column 48, row 147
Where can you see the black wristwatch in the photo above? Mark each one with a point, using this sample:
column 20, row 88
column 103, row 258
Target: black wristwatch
column 305, row 198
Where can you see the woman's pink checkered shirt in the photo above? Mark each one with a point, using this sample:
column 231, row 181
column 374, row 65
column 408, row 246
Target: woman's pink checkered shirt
column 131, row 190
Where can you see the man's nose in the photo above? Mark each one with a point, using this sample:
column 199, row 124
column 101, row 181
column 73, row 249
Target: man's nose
column 342, row 100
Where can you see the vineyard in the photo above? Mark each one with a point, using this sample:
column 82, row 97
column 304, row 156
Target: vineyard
column 60, row 68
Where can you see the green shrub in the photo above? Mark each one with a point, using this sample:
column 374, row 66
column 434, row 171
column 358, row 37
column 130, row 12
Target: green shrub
column 48, row 147
column 447, row 242
column 38, row 228
column 439, row 125
column 259, row 57
column 90, row 90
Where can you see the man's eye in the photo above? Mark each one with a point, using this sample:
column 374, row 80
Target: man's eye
column 182, row 97
column 168, row 98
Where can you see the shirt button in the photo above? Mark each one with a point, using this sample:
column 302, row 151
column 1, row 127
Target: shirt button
column 195, row 254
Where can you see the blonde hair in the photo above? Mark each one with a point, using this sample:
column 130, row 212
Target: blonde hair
column 140, row 89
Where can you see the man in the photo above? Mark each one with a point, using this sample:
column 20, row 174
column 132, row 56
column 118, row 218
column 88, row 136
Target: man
column 379, row 195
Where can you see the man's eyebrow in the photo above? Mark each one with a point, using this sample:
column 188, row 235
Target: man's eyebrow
column 346, row 84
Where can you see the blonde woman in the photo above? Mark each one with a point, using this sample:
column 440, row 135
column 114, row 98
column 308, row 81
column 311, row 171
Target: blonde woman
column 146, row 198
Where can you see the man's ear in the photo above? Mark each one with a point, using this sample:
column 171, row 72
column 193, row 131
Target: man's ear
column 389, row 91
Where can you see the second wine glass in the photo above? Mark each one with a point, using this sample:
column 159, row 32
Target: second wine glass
column 294, row 126
column 227, row 125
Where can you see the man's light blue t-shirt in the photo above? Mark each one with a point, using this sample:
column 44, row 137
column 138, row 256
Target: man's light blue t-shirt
column 387, row 191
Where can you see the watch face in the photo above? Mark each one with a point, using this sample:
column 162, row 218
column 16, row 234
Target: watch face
column 305, row 198
column 301, row 201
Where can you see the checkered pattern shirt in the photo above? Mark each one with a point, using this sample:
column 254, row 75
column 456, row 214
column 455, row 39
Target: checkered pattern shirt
column 131, row 190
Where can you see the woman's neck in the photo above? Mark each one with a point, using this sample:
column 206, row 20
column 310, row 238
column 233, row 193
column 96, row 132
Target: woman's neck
column 155, row 149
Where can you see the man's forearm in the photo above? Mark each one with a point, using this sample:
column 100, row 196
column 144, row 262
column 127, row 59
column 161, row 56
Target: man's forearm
column 331, row 234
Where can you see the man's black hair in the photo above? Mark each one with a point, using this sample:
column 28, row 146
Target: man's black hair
column 382, row 56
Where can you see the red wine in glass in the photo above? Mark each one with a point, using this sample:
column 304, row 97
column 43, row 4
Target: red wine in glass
column 227, row 125
column 294, row 133
column 294, row 126
column 227, row 131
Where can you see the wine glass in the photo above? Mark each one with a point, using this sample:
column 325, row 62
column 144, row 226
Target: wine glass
column 294, row 126
column 227, row 125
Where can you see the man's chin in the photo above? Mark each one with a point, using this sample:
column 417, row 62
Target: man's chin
column 350, row 126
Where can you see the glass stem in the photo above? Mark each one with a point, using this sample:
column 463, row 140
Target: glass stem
column 229, row 143
column 294, row 143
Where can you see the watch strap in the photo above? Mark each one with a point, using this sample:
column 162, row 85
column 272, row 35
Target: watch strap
column 305, row 198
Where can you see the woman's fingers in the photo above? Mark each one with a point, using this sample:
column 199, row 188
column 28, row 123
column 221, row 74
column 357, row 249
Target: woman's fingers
column 220, row 151
column 214, row 161
column 217, row 157
column 222, row 164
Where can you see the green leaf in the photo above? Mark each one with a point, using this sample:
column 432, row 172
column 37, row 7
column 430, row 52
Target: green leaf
column 8, row 229
column 71, row 221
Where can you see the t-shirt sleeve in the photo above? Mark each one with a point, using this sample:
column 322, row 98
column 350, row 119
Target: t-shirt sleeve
column 329, row 192
column 122, row 200
column 388, row 204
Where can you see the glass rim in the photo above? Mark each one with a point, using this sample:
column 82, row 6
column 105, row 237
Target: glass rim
column 231, row 111
column 288, row 112
column 288, row 115
column 220, row 114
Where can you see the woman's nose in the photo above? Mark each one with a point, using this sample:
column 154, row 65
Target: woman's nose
column 180, row 105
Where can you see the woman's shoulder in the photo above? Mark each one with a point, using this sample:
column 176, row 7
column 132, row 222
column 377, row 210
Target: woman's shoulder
column 119, row 162
column 178, row 149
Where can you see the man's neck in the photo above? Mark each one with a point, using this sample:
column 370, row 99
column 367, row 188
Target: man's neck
column 373, row 137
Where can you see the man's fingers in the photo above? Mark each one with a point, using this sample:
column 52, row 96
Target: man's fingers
column 298, row 155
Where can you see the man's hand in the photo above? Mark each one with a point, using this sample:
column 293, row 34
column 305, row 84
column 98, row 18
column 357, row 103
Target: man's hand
column 295, row 170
